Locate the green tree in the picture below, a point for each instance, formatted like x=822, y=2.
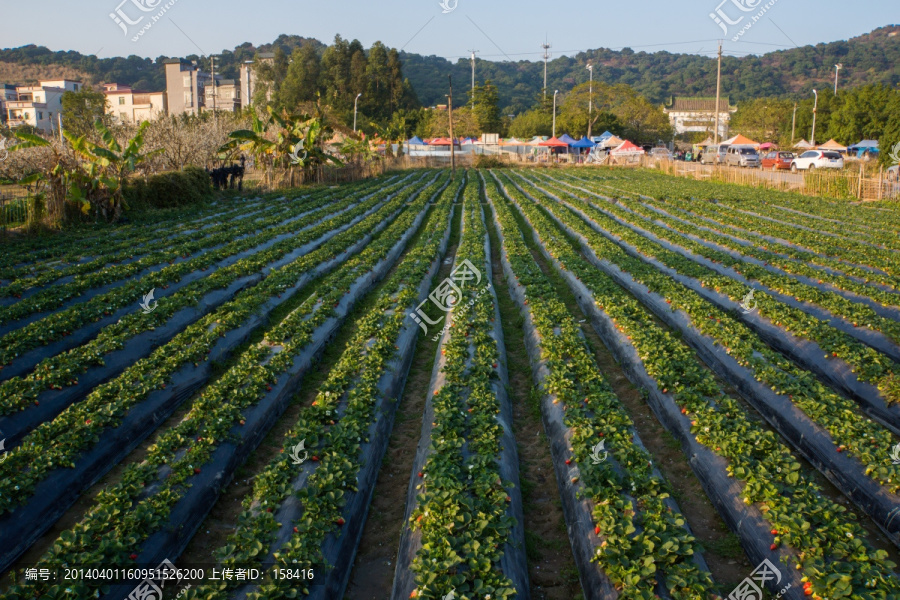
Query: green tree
x=531, y=123
x=81, y=109
x=301, y=83
x=485, y=101
x=764, y=120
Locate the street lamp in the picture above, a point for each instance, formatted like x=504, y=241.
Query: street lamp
x=815, y=106
x=837, y=68
x=590, y=68
x=554, y=112
x=354, y=110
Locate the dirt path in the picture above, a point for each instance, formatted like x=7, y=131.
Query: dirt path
x=722, y=550
x=372, y=577
x=551, y=566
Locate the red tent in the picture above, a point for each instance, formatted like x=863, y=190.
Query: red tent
x=628, y=148
x=554, y=143
x=442, y=142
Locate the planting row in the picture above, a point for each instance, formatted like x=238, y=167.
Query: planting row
x=464, y=532
x=777, y=510
x=312, y=514
x=244, y=237
x=618, y=511
x=158, y=503
x=134, y=335
x=770, y=307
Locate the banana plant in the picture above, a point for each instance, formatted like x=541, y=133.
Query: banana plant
x=52, y=186
x=106, y=167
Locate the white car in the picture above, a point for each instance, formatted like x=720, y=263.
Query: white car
x=817, y=159
x=660, y=154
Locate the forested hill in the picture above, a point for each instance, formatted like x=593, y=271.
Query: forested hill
x=870, y=58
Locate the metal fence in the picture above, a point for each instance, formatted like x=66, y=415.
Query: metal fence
x=14, y=207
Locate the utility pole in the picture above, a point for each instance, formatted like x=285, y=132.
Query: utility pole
x=590, y=68
x=554, y=112
x=450, y=117
x=546, y=47
x=473, y=76
x=794, y=123
x=815, y=108
x=212, y=68
x=837, y=68
x=718, y=93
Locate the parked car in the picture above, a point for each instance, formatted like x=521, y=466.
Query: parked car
x=661, y=154
x=742, y=156
x=817, y=159
x=714, y=154
x=776, y=160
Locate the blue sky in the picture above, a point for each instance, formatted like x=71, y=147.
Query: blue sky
x=500, y=29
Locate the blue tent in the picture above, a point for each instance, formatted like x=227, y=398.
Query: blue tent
x=583, y=143
x=416, y=141
x=567, y=139
x=605, y=135
x=870, y=146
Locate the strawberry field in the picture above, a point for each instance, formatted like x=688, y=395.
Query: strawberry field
x=488, y=384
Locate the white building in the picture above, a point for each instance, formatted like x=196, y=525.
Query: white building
x=699, y=115
x=128, y=105
x=37, y=105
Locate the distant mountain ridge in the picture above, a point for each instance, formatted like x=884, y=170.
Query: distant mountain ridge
x=870, y=58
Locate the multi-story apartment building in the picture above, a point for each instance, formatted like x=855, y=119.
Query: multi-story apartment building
x=223, y=94
x=37, y=105
x=185, y=87
x=249, y=78
x=128, y=105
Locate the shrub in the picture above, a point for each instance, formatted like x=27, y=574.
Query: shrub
x=484, y=161
x=167, y=190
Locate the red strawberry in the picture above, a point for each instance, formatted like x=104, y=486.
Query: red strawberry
x=773, y=546
x=296, y=530
x=197, y=470
x=597, y=530
x=568, y=461
x=508, y=499
x=315, y=459
x=87, y=422
x=269, y=509
x=774, y=532
x=421, y=474
x=133, y=556
x=340, y=521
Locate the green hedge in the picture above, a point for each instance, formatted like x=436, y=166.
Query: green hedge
x=166, y=190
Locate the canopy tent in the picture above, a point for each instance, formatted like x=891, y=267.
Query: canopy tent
x=416, y=141
x=766, y=146
x=605, y=135
x=512, y=142
x=569, y=140
x=611, y=142
x=553, y=143
x=627, y=147
x=870, y=145
x=443, y=142
x=864, y=147
x=583, y=143
x=740, y=140
x=832, y=145
x=803, y=144
x=535, y=141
